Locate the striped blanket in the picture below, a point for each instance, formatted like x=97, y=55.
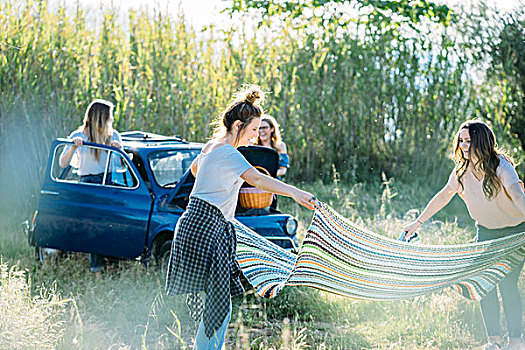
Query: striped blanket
x=340, y=257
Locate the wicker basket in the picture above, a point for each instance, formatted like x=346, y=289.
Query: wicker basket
x=252, y=197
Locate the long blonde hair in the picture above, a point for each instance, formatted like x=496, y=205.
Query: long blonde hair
x=275, y=137
x=484, y=148
x=244, y=107
x=98, y=123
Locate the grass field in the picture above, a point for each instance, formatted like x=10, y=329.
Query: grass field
x=362, y=97
x=127, y=308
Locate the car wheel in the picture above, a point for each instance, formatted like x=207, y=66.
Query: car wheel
x=162, y=255
x=46, y=256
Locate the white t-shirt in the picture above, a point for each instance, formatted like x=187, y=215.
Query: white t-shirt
x=498, y=212
x=219, y=178
x=84, y=158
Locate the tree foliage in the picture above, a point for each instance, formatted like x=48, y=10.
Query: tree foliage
x=508, y=66
x=378, y=90
x=382, y=13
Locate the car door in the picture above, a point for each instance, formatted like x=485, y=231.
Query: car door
x=107, y=215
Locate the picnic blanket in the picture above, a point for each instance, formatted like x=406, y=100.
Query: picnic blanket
x=340, y=257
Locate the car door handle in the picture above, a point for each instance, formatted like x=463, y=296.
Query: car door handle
x=51, y=193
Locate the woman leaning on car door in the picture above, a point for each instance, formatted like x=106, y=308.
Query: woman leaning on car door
x=203, y=250
x=91, y=162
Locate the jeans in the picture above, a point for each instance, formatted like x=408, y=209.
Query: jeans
x=508, y=288
x=92, y=179
x=202, y=342
x=96, y=262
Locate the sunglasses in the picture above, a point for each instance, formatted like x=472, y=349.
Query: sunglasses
x=264, y=127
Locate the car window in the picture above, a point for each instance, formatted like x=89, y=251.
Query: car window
x=169, y=166
x=114, y=171
x=139, y=164
x=119, y=173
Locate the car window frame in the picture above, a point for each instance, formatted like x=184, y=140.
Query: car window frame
x=99, y=146
x=198, y=150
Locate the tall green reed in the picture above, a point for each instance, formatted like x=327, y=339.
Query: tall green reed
x=364, y=100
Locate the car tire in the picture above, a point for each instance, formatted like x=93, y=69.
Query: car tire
x=161, y=254
x=46, y=256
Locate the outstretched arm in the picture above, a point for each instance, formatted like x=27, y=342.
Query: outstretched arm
x=269, y=184
x=436, y=204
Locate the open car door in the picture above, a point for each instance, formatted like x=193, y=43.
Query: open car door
x=108, y=215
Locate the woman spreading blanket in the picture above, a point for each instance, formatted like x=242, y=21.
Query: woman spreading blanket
x=486, y=180
x=203, y=253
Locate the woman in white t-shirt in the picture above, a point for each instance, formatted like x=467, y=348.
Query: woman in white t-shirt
x=97, y=128
x=91, y=162
x=203, y=251
x=487, y=182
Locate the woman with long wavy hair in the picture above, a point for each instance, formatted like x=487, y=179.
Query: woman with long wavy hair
x=91, y=162
x=270, y=136
x=487, y=182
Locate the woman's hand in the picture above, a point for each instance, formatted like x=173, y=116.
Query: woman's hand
x=65, y=157
x=411, y=228
x=115, y=144
x=306, y=199
x=78, y=142
x=436, y=204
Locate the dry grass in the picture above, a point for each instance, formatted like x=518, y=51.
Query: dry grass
x=29, y=319
x=127, y=309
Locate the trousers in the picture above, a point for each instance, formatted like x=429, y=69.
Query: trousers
x=508, y=288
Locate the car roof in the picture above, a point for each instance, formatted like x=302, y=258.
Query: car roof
x=142, y=139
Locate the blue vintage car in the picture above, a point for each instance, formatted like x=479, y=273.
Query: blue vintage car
x=133, y=210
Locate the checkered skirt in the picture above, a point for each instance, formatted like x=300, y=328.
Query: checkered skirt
x=203, y=259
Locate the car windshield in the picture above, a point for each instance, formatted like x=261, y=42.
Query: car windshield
x=169, y=166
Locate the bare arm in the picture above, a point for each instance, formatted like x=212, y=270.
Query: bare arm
x=282, y=170
x=194, y=167
x=65, y=158
x=269, y=184
x=436, y=204
x=517, y=194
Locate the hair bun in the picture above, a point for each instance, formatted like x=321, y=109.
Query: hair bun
x=250, y=93
x=253, y=96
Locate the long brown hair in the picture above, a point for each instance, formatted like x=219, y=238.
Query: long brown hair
x=98, y=123
x=244, y=107
x=484, y=149
x=275, y=137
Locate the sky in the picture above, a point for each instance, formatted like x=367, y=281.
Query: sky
x=201, y=13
